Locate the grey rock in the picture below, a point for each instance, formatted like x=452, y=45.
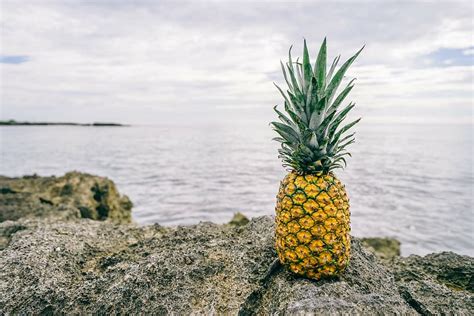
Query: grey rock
x=206, y=268
x=55, y=261
x=366, y=288
x=74, y=195
x=84, y=266
x=106, y=268
x=440, y=283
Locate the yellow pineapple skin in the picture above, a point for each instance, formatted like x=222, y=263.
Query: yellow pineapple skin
x=313, y=225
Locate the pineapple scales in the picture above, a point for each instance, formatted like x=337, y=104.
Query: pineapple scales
x=312, y=211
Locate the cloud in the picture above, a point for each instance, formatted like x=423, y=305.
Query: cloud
x=137, y=61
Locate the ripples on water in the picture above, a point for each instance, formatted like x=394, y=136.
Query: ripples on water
x=412, y=182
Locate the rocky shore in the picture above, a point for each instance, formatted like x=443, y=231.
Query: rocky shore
x=68, y=246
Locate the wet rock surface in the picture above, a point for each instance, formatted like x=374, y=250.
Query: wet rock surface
x=74, y=195
x=56, y=264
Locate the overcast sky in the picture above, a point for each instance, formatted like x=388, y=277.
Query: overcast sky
x=149, y=61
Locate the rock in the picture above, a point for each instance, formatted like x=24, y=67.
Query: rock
x=204, y=269
x=437, y=283
x=106, y=268
x=7, y=229
x=432, y=284
x=54, y=259
x=383, y=248
x=74, y=195
x=366, y=288
x=239, y=219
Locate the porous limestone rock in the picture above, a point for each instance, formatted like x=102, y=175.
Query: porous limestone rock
x=84, y=266
x=62, y=251
x=75, y=194
x=441, y=283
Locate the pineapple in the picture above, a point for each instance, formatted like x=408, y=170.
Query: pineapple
x=312, y=211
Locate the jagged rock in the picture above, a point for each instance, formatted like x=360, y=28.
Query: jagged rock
x=440, y=283
x=7, y=229
x=84, y=266
x=383, y=248
x=366, y=288
x=52, y=261
x=73, y=195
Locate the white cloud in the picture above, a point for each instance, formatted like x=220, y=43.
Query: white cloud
x=131, y=61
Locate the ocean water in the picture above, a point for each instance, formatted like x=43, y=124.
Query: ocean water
x=413, y=182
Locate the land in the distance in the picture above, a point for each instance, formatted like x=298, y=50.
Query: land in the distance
x=17, y=123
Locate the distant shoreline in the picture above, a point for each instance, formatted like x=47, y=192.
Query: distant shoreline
x=96, y=124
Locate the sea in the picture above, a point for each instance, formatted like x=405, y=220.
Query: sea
x=413, y=182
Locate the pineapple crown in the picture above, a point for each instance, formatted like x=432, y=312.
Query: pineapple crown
x=310, y=137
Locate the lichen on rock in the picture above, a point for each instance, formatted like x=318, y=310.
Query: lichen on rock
x=239, y=219
x=382, y=248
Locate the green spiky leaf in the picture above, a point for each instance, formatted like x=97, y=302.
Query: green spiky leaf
x=336, y=80
x=332, y=68
x=285, y=75
x=310, y=136
x=320, y=67
x=283, y=117
x=340, y=98
x=307, y=70
x=346, y=128
x=286, y=131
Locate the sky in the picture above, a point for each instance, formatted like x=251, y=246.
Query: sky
x=146, y=62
